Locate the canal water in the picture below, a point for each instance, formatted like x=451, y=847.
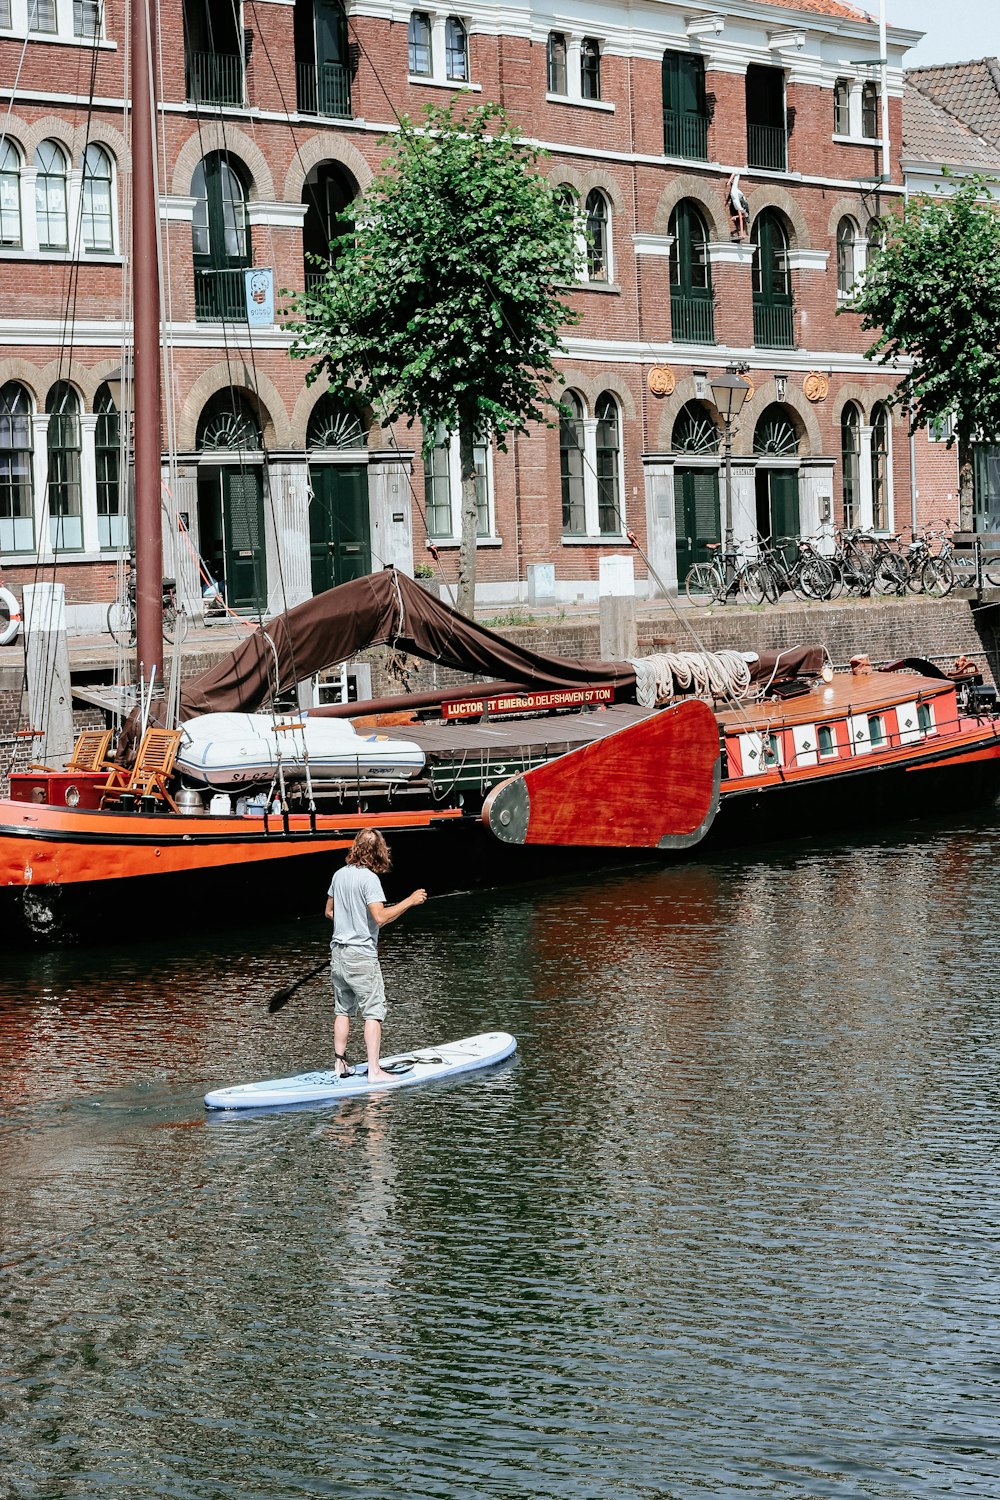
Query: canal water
x=728, y=1225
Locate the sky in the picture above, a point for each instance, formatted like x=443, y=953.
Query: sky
x=956, y=30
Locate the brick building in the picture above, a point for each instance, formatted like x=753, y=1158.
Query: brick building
x=951, y=130
x=272, y=115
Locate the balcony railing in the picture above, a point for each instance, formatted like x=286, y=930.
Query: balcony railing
x=766, y=147
x=772, y=325
x=220, y=296
x=324, y=90
x=691, y=320
x=685, y=135
x=215, y=78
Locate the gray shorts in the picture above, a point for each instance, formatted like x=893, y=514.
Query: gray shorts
x=357, y=982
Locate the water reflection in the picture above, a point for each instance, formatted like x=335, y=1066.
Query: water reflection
x=728, y=1225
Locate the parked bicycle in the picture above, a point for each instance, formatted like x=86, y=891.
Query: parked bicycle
x=122, y=618
x=706, y=582
x=930, y=572
x=808, y=575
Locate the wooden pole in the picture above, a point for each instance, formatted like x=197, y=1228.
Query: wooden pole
x=146, y=336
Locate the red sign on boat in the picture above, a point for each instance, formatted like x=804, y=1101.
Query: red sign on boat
x=526, y=703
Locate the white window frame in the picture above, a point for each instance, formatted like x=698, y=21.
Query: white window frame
x=14, y=152
x=85, y=250
x=438, y=75
x=608, y=278
x=489, y=536
x=592, y=532
x=574, y=71
x=65, y=30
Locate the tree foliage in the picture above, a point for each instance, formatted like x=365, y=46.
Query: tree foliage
x=932, y=293
x=443, y=302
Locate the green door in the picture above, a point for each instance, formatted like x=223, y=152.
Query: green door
x=778, y=506
x=243, y=526
x=696, y=516
x=339, y=524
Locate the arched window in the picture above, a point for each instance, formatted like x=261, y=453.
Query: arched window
x=869, y=111
x=850, y=459
x=775, y=432
x=228, y=423
x=842, y=107
x=111, y=528
x=220, y=237
x=96, y=218
x=847, y=256
x=16, y=526
x=334, y=427
x=590, y=68
x=329, y=189
x=421, y=63
x=50, y=197
x=571, y=466
x=610, y=519
x=772, y=283
x=556, y=60
x=456, y=50
x=10, y=195
x=598, y=236
x=880, y=466
x=64, y=444
x=690, y=276
x=695, y=431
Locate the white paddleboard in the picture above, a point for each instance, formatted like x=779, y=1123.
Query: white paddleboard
x=427, y=1064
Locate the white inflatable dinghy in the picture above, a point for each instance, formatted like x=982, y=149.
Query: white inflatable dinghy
x=228, y=750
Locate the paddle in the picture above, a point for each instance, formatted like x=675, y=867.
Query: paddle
x=280, y=998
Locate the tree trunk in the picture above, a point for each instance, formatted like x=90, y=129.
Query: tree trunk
x=466, y=599
x=966, y=497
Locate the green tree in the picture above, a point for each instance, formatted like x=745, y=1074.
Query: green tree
x=933, y=295
x=444, y=299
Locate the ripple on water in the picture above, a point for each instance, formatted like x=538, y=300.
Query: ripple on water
x=727, y=1225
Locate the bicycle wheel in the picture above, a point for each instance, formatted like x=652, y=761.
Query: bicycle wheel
x=890, y=574
x=175, y=625
x=816, y=578
x=915, y=572
x=839, y=583
x=121, y=622
x=757, y=584
x=938, y=577
x=704, y=583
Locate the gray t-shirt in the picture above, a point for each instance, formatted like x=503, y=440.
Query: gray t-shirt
x=353, y=889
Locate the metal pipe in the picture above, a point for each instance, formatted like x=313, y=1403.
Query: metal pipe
x=146, y=359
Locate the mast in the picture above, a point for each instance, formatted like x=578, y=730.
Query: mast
x=146, y=424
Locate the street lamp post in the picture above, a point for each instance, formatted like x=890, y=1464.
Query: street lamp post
x=729, y=393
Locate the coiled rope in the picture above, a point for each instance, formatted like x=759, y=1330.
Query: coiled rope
x=709, y=674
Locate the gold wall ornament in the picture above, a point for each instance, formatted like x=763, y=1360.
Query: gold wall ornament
x=661, y=380
x=816, y=386
x=751, y=388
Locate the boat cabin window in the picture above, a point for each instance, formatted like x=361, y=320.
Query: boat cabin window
x=925, y=718
x=876, y=729
x=826, y=740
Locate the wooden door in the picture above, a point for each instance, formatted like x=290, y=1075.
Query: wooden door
x=243, y=524
x=339, y=524
x=696, y=514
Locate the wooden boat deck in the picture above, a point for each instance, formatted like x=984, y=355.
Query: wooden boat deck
x=505, y=737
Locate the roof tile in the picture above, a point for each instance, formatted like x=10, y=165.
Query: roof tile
x=968, y=90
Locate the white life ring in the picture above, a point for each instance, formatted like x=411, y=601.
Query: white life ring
x=14, y=611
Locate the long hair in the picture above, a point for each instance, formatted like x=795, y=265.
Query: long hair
x=371, y=851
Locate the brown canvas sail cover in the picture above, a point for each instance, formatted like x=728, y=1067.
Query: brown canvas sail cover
x=381, y=609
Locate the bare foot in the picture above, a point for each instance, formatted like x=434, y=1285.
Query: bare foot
x=379, y=1076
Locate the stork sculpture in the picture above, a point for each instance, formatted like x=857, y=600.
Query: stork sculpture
x=739, y=208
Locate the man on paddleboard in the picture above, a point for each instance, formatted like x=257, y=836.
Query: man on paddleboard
x=356, y=906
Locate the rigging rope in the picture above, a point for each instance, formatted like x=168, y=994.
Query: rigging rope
x=708, y=674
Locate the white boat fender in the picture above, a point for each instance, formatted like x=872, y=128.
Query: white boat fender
x=13, y=609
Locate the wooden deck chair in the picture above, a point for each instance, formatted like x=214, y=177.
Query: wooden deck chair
x=154, y=763
x=90, y=753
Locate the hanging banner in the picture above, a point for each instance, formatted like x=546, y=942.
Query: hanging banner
x=260, y=297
